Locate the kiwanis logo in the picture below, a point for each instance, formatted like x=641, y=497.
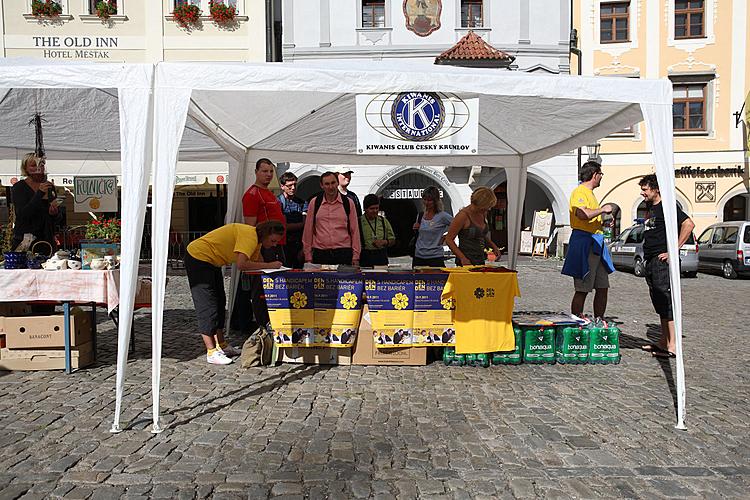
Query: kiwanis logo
x=418, y=116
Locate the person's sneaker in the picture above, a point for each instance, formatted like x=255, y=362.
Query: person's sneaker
x=218, y=358
x=230, y=351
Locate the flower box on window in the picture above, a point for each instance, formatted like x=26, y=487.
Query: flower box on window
x=46, y=9
x=222, y=13
x=106, y=9
x=187, y=15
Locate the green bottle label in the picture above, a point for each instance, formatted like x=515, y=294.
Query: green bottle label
x=539, y=345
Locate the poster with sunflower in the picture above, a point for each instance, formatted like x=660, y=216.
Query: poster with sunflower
x=390, y=299
x=289, y=298
x=338, y=308
x=433, y=315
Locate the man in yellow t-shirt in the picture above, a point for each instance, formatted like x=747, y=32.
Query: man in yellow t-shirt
x=588, y=260
x=233, y=243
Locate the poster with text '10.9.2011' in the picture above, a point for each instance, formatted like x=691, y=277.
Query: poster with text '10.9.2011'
x=390, y=300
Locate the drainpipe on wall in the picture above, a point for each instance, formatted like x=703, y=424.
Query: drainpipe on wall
x=575, y=50
x=270, y=42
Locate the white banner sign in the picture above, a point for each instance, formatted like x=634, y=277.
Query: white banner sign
x=95, y=194
x=417, y=123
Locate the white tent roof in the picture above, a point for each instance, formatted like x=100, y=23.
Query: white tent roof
x=306, y=113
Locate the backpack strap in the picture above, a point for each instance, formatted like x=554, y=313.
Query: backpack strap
x=345, y=201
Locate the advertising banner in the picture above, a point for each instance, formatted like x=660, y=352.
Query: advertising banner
x=390, y=299
x=289, y=297
x=433, y=316
x=338, y=308
x=423, y=123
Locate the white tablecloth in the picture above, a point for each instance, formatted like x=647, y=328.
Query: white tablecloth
x=27, y=285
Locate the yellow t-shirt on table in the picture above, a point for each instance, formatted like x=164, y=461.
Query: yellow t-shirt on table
x=484, y=309
x=219, y=246
x=583, y=197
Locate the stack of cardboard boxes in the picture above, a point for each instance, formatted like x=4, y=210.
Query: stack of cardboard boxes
x=37, y=342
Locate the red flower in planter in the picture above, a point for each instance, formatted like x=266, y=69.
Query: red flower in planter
x=222, y=13
x=187, y=15
x=106, y=8
x=45, y=8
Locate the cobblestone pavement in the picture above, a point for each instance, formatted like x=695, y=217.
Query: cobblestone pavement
x=298, y=431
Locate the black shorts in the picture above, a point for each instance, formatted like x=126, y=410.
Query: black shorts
x=660, y=287
x=207, y=288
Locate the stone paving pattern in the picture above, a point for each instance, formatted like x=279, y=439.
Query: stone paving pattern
x=297, y=431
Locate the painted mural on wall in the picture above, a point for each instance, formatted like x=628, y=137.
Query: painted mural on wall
x=423, y=16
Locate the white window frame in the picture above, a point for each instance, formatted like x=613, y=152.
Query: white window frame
x=709, y=80
x=388, y=21
x=485, y=17
x=120, y=8
x=691, y=44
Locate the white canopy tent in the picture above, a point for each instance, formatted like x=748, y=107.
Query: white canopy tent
x=79, y=121
x=307, y=113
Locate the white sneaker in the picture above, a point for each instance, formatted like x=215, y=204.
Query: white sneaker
x=218, y=358
x=230, y=351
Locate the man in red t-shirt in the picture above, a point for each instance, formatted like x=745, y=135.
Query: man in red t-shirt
x=259, y=204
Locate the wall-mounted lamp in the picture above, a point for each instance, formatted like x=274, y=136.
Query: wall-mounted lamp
x=593, y=151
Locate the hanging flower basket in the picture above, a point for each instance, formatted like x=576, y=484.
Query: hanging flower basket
x=46, y=8
x=222, y=13
x=187, y=15
x=105, y=9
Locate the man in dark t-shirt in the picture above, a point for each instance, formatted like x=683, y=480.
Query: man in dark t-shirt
x=657, y=263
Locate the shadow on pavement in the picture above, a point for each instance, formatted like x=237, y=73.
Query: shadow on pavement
x=271, y=383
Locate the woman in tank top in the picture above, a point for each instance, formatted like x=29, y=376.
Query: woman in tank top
x=470, y=225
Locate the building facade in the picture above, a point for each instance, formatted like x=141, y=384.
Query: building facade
x=702, y=47
x=142, y=31
x=535, y=33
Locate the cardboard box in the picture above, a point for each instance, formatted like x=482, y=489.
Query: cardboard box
x=316, y=355
x=27, y=332
x=143, y=296
x=14, y=309
x=365, y=352
x=45, y=359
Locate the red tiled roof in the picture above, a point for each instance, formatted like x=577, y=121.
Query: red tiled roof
x=473, y=47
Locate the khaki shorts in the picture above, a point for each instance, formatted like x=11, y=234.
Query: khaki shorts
x=597, y=277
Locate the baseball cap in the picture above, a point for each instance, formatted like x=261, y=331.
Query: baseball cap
x=344, y=171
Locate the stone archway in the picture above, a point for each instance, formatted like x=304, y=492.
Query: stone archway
x=401, y=190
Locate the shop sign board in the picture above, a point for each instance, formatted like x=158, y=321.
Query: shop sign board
x=417, y=123
x=95, y=193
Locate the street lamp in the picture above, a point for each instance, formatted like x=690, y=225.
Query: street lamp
x=593, y=151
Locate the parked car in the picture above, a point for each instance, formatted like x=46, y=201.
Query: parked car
x=725, y=247
x=627, y=253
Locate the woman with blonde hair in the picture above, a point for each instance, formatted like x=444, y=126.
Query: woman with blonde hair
x=33, y=201
x=470, y=225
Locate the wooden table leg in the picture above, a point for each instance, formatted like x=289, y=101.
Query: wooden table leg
x=66, y=333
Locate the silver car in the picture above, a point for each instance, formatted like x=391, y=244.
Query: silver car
x=627, y=253
x=725, y=247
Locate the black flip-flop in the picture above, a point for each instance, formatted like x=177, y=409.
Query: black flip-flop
x=663, y=353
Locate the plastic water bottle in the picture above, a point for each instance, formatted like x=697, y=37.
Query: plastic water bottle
x=539, y=345
x=572, y=345
x=604, y=345
x=513, y=357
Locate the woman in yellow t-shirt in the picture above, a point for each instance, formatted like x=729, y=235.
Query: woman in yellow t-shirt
x=233, y=243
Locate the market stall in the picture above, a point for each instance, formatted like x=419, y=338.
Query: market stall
x=310, y=114
x=89, y=109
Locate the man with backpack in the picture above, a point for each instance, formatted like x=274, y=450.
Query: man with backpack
x=331, y=234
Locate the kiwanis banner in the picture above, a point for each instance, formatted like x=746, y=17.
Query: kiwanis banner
x=417, y=123
x=390, y=299
x=338, y=308
x=289, y=297
x=433, y=316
